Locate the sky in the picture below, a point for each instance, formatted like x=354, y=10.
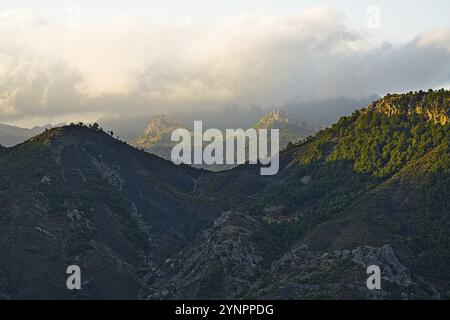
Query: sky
x=402, y=19
x=63, y=61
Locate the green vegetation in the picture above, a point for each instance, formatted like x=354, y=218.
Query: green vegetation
x=399, y=133
x=78, y=243
x=360, y=151
x=432, y=238
x=379, y=176
x=379, y=144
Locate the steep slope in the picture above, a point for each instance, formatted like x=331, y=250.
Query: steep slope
x=397, y=213
x=373, y=188
x=156, y=136
x=73, y=195
x=292, y=129
x=375, y=178
x=11, y=135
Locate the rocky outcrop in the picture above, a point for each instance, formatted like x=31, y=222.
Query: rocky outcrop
x=341, y=274
x=229, y=262
x=393, y=270
x=223, y=263
x=156, y=137
x=434, y=106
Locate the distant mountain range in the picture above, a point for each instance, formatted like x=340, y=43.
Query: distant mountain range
x=11, y=135
x=156, y=137
x=318, y=114
x=292, y=128
x=372, y=189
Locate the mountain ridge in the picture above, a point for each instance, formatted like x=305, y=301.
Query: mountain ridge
x=12, y=135
x=156, y=137
x=371, y=189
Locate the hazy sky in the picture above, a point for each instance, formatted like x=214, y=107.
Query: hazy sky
x=76, y=60
x=401, y=19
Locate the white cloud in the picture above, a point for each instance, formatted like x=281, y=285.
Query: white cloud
x=438, y=38
x=128, y=66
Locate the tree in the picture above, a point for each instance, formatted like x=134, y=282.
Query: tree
x=290, y=145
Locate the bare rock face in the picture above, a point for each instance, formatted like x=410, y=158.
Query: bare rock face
x=416, y=104
x=156, y=135
x=159, y=124
x=224, y=262
x=341, y=274
x=140, y=227
x=228, y=261
x=393, y=270
x=45, y=179
x=306, y=179
x=292, y=129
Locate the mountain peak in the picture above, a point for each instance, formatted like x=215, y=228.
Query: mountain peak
x=160, y=123
x=273, y=119
x=74, y=134
x=378, y=184
x=158, y=129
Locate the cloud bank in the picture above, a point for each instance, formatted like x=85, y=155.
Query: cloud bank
x=128, y=66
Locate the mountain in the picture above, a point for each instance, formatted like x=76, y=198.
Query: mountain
x=292, y=128
x=131, y=126
x=371, y=189
x=431, y=105
x=74, y=195
x=11, y=135
x=318, y=113
x=156, y=137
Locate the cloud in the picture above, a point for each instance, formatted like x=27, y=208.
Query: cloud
x=127, y=66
